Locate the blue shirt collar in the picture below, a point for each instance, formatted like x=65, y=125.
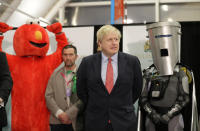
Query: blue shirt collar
x=105, y=58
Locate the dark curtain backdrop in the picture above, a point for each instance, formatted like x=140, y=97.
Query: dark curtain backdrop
x=190, y=51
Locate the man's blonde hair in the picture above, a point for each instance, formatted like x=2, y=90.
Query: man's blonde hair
x=106, y=29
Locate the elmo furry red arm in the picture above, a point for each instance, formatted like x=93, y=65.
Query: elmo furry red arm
x=3, y=28
x=30, y=70
x=55, y=28
x=55, y=59
x=1, y=38
x=61, y=39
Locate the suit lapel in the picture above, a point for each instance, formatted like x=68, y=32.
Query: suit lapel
x=121, y=67
x=97, y=66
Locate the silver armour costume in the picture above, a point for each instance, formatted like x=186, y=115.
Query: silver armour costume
x=163, y=98
x=166, y=83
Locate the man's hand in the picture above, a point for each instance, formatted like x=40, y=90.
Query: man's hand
x=1, y=100
x=63, y=117
x=55, y=28
x=4, y=27
x=155, y=117
x=165, y=119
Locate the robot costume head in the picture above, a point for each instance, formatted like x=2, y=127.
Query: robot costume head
x=165, y=45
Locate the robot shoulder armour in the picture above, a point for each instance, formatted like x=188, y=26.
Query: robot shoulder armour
x=186, y=78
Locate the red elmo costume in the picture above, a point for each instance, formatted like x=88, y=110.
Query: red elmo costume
x=30, y=70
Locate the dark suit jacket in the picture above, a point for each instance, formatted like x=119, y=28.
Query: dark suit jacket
x=5, y=87
x=116, y=106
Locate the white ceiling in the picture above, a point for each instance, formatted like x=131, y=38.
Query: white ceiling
x=19, y=11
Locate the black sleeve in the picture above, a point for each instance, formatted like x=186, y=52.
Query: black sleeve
x=183, y=95
x=81, y=82
x=145, y=105
x=5, y=78
x=138, y=80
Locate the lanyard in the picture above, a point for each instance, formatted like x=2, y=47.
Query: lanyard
x=64, y=76
x=68, y=89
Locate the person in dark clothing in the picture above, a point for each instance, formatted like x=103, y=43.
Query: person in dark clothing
x=5, y=88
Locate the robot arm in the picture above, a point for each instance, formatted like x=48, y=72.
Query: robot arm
x=153, y=115
x=182, y=99
x=144, y=103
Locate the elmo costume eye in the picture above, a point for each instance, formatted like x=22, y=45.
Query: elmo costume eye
x=31, y=21
x=36, y=21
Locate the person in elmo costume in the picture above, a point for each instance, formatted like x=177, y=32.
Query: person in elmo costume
x=30, y=69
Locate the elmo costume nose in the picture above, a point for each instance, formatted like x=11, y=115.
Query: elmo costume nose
x=38, y=35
